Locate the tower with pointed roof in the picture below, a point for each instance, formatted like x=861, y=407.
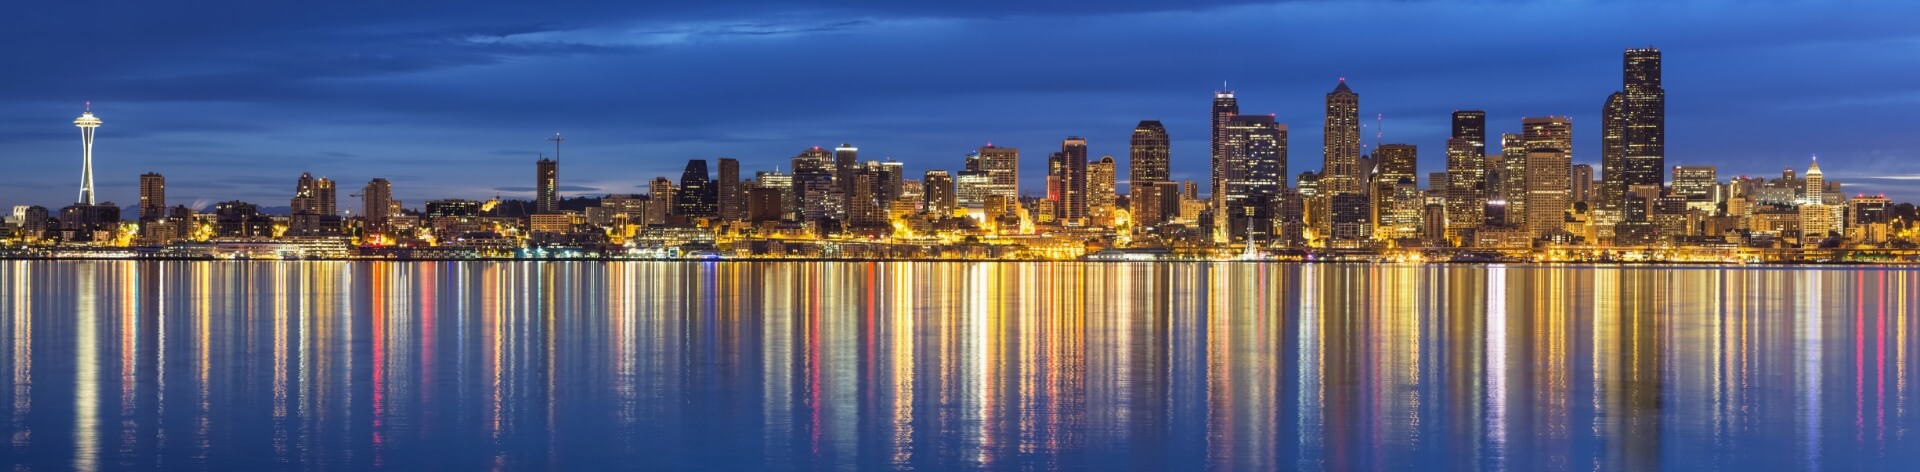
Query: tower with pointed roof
x=1341, y=172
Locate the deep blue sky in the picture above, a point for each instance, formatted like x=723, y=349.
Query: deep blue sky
x=234, y=99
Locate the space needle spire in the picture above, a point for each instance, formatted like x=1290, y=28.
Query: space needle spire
x=87, y=123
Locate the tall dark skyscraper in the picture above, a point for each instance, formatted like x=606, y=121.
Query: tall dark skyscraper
x=733, y=199
x=153, y=196
x=1471, y=125
x=1073, y=195
x=1225, y=107
x=1634, y=128
x=1396, y=162
x=1256, y=168
x=1149, y=161
x=546, y=198
x=696, y=197
x=1341, y=172
x=845, y=159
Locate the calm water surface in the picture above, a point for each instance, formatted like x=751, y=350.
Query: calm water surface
x=596, y=366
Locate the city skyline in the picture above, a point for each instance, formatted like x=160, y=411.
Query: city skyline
x=219, y=142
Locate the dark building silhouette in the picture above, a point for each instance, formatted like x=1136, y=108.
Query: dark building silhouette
x=546, y=198
x=696, y=197
x=1634, y=129
x=732, y=196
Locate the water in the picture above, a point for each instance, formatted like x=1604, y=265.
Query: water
x=1190, y=366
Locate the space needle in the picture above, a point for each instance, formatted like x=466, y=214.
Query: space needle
x=87, y=123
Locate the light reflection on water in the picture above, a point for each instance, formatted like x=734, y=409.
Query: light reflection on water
x=493, y=365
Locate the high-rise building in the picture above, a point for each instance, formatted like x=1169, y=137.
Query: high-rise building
x=1149, y=161
x=1149, y=156
x=813, y=169
x=315, y=210
x=939, y=192
x=1397, y=164
x=845, y=159
x=1255, y=161
x=1466, y=185
x=314, y=196
x=696, y=197
x=1582, y=181
x=1225, y=107
x=1512, y=188
x=153, y=197
x=1698, y=184
x=660, y=200
x=971, y=189
x=377, y=198
x=1548, y=132
x=1002, y=165
x=863, y=204
x=1634, y=127
x=1816, y=184
x=893, y=180
x=1471, y=125
x=1101, y=191
x=1073, y=195
x=733, y=199
x=546, y=196
x=87, y=124
x=1341, y=172
x=1546, y=199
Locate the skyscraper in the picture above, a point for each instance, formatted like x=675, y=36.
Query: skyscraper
x=696, y=197
x=1613, y=153
x=660, y=198
x=939, y=192
x=87, y=124
x=1341, y=172
x=1546, y=200
x=1002, y=166
x=733, y=199
x=1101, y=192
x=1255, y=151
x=1582, y=182
x=153, y=197
x=1466, y=185
x=1073, y=195
x=377, y=198
x=1471, y=125
x=813, y=169
x=1815, y=193
x=1698, y=185
x=314, y=196
x=1397, y=164
x=1149, y=160
x=546, y=197
x=845, y=159
x=1634, y=131
x=1512, y=188
x=315, y=210
x=1225, y=107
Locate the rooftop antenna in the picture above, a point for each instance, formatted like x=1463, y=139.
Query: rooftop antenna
x=1379, y=129
x=557, y=138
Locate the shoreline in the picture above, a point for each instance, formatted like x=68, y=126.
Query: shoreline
x=1894, y=264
